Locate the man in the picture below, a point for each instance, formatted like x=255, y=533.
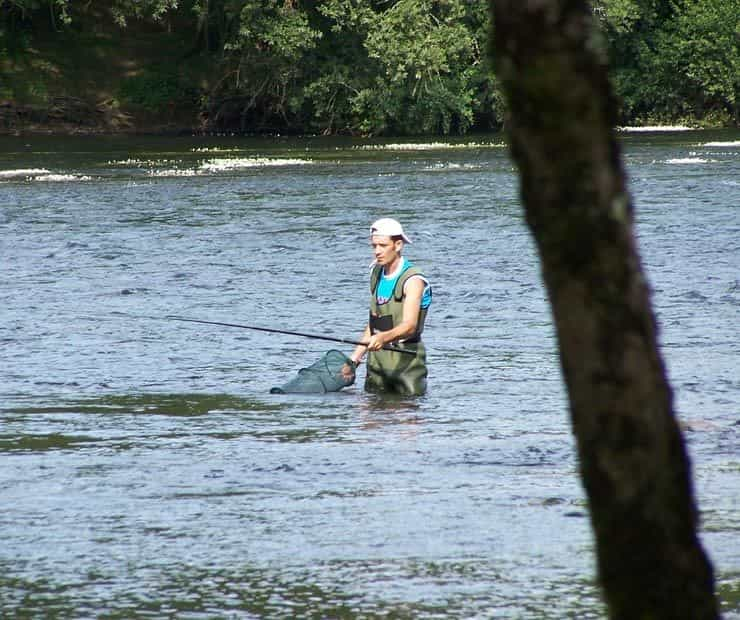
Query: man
x=400, y=296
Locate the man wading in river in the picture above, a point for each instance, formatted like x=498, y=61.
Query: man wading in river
x=400, y=296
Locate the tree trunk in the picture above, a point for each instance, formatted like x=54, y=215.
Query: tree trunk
x=633, y=460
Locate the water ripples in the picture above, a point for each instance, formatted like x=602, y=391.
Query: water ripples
x=148, y=471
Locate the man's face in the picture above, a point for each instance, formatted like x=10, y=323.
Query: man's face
x=385, y=249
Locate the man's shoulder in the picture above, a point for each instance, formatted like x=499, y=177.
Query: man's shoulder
x=412, y=271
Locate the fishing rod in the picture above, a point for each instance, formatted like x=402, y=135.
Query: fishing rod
x=271, y=330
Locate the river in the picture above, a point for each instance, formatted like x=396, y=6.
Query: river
x=146, y=470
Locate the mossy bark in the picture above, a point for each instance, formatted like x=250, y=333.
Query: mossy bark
x=633, y=460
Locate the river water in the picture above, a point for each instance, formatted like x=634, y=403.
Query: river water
x=146, y=470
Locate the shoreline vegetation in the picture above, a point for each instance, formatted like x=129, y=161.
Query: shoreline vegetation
x=128, y=128
x=365, y=68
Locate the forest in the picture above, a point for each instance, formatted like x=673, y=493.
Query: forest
x=354, y=67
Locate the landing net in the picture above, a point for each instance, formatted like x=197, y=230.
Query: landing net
x=332, y=372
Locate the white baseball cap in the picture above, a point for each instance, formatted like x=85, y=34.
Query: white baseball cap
x=388, y=227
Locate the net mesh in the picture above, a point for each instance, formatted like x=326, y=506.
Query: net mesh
x=330, y=373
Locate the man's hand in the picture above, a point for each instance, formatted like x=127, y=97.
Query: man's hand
x=348, y=372
x=376, y=342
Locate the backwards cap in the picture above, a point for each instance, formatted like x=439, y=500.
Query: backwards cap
x=388, y=227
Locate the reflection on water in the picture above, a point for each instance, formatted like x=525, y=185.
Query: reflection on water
x=438, y=589
x=405, y=413
x=151, y=404
x=146, y=470
x=40, y=443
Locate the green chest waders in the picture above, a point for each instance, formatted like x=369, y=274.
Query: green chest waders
x=388, y=371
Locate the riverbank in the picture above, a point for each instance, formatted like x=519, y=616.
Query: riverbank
x=95, y=77
x=65, y=115
x=105, y=121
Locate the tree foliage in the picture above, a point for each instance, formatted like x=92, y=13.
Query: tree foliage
x=264, y=59
x=672, y=59
x=406, y=66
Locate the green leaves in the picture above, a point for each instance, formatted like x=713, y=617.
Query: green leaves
x=417, y=63
x=274, y=28
x=391, y=66
x=157, y=89
x=706, y=38
x=674, y=60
